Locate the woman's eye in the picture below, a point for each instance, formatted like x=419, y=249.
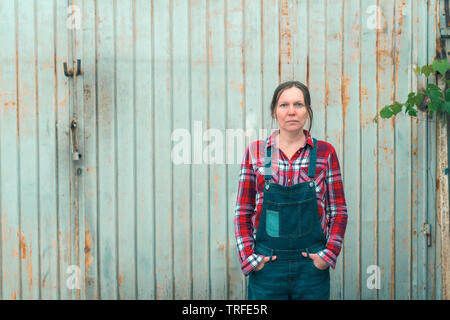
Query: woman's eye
x=299, y=104
x=283, y=105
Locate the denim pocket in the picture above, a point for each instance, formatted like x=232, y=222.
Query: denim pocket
x=272, y=223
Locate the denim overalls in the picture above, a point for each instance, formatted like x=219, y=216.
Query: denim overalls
x=289, y=225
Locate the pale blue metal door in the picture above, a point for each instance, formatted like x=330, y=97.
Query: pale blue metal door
x=129, y=223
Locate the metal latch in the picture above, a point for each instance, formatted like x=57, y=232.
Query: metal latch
x=426, y=229
x=75, y=154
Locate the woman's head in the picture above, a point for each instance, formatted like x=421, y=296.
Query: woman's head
x=291, y=106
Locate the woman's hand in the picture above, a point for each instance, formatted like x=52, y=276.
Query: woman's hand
x=318, y=261
x=261, y=264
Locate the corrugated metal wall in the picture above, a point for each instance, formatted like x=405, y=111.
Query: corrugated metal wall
x=137, y=226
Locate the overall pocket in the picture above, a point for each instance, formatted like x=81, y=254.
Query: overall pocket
x=290, y=220
x=272, y=223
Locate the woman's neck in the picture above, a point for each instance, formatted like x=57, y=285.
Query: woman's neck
x=288, y=138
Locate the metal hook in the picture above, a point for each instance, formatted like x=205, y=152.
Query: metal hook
x=67, y=73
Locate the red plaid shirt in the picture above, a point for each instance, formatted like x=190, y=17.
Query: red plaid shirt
x=329, y=193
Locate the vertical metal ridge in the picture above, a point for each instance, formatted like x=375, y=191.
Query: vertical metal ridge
x=308, y=68
x=38, y=169
x=279, y=44
x=71, y=168
x=359, y=233
x=136, y=292
x=207, y=126
x=98, y=169
x=411, y=151
x=189, y=9
x=19, y=198
x=153, y=153
x=116, y=173
x=227, y=244
x=394, y=142
x=58, y=246
x=377, y=143
x=172, y=222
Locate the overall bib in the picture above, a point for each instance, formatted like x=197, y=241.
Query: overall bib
x=289, y=225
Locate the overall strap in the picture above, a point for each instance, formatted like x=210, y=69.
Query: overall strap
x=312, y=160
x=268, y=163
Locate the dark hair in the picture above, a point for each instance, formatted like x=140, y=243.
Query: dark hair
x=287, y=85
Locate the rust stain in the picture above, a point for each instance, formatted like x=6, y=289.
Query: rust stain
x=216, y=192
x=221, y=247
x=364, y=95
x=29, y=269
x=23, y=246
x=63, y=102
x=121, y=277
x=238, y=85
x=345, y=95
x=9, y=103
x=88, y=249
x=285, y=55
x=13, y=296
x=210, y=50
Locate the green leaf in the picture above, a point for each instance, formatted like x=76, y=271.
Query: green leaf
x=436, y=96
x=441, y=66
x=447, y=94
x=418, y=99
x=427, y=70
x=386, y=112
x=446, y=106
x=434, y=105
x=396, y=108
x=447, y=82
x=433, y=87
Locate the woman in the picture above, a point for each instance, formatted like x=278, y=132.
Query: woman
x=291, y=212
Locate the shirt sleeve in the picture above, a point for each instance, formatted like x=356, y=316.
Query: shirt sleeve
x=336, y=210
x=245, y=209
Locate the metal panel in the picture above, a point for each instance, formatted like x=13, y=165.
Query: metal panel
x=139, y=226
x=34, y=151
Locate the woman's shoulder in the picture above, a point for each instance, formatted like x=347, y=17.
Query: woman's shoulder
x=256, y=148
x=324, y=148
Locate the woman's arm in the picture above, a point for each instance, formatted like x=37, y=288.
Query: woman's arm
x=245, y=208
x=335, y=209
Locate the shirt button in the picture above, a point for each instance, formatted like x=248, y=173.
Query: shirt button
x=311, y=184
x=289, y=180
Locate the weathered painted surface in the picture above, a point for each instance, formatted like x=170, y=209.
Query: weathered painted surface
x=138, y=226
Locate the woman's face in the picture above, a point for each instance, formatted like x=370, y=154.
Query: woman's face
x=290, y=111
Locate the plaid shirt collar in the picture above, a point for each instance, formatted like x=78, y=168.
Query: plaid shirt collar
x=309, y=140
